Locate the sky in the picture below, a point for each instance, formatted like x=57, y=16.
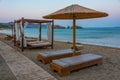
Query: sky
x=11, y=10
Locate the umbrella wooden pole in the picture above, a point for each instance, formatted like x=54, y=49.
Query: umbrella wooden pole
x=74, y=36
x=39, y=31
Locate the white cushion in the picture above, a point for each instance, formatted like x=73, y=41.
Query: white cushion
x=57, y=53
x=38, y=44
x=65, y=62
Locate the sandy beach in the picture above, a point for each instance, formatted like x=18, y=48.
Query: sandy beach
x=109, y=70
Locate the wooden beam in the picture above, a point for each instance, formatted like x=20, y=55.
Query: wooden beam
x=34, y=21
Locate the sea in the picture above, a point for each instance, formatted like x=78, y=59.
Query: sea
x=106, y=36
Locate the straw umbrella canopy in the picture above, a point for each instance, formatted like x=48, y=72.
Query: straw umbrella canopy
x=75, y=12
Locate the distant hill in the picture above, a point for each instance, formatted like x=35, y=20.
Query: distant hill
x=77, y=27
x=59, y=27
x=45, y=26
x=34, y=25
x=6, y=25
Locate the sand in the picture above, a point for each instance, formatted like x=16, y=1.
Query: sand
x=109, y=70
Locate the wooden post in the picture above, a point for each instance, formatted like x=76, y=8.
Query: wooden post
x=12, y=25
x=22, y=35
x=74, y=36
x=52, y=34
x=39, y=31
x=14, y=36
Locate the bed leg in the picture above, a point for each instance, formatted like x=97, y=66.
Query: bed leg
x=63, y=73
x=52, y=46
x=59, y=70
x=99, y=62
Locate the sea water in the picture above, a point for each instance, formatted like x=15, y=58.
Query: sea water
x=97, y=36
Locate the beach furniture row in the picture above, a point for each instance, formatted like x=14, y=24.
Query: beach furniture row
x=64, y=62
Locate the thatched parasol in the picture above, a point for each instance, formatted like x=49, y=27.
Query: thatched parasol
x=75, y=12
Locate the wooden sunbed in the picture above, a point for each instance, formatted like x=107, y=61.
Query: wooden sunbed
x=66, y=65
x=47, y=57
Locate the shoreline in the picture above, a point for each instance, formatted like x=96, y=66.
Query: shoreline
x=91, y=44
x=85, y=43
x=1, y=34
